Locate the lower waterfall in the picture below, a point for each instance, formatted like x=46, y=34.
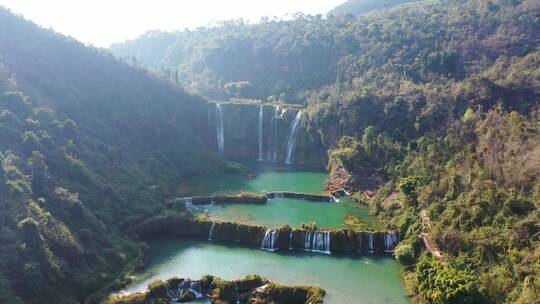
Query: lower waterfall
x=370, y=243
x=269, y=241
x=290, y=240
x=291, y=143
x=317, y=241
x=390, y=241
x=261, y=158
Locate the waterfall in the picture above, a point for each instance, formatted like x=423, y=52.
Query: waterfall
x=334, y=199
x=180, y=291
x=390, y=241
x=261, y=133
x=188, y=200
x=195, y=287
x=290, y=241
x=237, y=293
x=275, y=120
x=169, y=293
x=270, y=239
x=220, y=132
x=317, y=241
x=346, y=192
x=370, y=242
x=211, y=231
x=291, y=143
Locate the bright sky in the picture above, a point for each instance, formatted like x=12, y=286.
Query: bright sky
x=102, y=22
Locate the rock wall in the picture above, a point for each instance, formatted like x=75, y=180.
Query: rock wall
x=340, y=241
x=251, y=289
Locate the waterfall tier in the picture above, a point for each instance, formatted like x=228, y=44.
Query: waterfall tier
x=269, y=241
x=317, y=241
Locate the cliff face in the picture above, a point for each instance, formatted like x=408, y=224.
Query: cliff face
x=264, y=132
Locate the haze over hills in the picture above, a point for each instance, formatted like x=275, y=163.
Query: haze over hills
x=429, y=114
x=359, y=7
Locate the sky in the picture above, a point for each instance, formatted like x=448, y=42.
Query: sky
x=102, y=22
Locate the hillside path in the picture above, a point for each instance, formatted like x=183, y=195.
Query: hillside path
x=428, y=242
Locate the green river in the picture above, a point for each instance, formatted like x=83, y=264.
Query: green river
x=347, y=279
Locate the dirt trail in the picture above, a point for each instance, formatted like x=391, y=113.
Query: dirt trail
x=429, y=243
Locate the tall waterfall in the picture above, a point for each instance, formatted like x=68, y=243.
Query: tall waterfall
x=275, y=121
x=317, y=241
x=211, y=231
x=261, y=158
x=269, y=241
x=370, y=242
x=390, y=241
x=291, y=143
x=220, y=132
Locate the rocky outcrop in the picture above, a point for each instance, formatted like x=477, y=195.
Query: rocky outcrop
x=251, y=289
x=301, y=196
x=255, y=198
x=242, y=197
x=283, y=238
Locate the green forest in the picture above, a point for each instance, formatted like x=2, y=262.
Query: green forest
x=433, y=104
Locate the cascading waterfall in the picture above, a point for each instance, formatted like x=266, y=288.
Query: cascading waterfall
x=291, y=143
x=370, y=243
x=261, y=133
x=220, y=132
x=317, y=241
x=270, y=239
x=334, y=199
x=390, y=241
x=211, y=231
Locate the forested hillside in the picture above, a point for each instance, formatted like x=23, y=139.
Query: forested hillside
x=435, y=41
x=437, y=103
x=88, y=145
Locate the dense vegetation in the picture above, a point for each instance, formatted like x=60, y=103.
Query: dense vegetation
x=439, y=101
x=88, y=145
